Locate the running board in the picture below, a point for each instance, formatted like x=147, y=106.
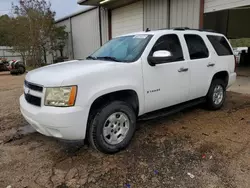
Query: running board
x=171, y=110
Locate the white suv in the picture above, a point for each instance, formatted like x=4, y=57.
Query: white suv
x=101, y=98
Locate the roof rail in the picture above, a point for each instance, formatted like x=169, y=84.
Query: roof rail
x=208, y=30
x=181, y=28
x=184, y=29
x=187, y=28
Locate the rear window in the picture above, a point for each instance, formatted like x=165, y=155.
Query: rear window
x=220, y=45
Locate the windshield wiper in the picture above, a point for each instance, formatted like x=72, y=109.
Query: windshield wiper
x=108, y=58
x=91, y=57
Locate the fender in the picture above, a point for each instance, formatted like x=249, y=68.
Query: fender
x=211, y=78
x=103, y=92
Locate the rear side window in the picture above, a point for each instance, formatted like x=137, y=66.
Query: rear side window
x=196, y=47
x=220, y=45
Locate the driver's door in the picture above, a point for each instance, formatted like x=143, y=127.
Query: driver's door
x=167, y=83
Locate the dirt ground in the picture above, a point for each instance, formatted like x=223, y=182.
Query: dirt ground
x=196, y=148
x=242, y=84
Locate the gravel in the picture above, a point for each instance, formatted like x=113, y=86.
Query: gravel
x=194, y=148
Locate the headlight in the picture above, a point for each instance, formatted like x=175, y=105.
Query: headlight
x=60, y=96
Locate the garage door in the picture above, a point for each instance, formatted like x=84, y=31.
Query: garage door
x=127, y=19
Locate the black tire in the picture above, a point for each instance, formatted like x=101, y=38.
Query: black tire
x=96, y=125
x=211, y=104
x=14, y=72
x=21, y=69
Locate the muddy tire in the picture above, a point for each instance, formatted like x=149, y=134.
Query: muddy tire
x=21, y=69
x=14, y=72
x=112, y=127
x=216, y=95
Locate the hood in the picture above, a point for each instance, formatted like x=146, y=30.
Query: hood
x=54, y=75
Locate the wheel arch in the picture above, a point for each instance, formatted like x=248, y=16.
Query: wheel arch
x=222, y=75
x=127, y=95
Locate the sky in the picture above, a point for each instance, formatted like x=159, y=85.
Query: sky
x=61, y=7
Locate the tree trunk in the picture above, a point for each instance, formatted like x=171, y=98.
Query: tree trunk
x=23, y=58
x=44, y=55
x=61, y=52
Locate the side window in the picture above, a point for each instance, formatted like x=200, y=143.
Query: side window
x=196, y=47
x=220, y=45
x=169, y=43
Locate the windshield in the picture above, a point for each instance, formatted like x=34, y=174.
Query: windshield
x=122, y=49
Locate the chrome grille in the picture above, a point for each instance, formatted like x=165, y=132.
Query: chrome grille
x=33, y=86
x=31, y=97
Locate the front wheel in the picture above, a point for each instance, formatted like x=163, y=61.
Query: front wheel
x=112, y=128
x=216, y=95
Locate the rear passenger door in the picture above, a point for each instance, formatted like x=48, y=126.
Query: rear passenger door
x=201, y=65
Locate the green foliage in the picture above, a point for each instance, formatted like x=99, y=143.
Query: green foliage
x=5, y=22
x=32, y=31
x=243, y=42
x=58, y=39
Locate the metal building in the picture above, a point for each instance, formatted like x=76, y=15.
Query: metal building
x=109, y=18
x=84, y=33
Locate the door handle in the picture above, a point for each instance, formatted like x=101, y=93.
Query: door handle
x=210, y=64
x=183, y=69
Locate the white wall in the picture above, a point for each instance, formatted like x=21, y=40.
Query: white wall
x=156, y=14
x=185, y=13
x=68, y=51
x=127, y=19
x=216, y=5
x=86, y=33
x=104, y=25
x=5, y=52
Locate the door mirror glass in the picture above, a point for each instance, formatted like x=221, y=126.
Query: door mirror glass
x=160, y=57
x=162, y=53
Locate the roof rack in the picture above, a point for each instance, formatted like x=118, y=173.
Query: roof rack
x=181, y=28
x=187, y=28
x=184, y=29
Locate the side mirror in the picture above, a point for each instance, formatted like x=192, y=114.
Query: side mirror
x=162, y=53
x=160, y=57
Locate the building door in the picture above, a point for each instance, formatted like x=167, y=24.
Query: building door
x=127, y=19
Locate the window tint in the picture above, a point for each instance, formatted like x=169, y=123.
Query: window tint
x=220, y=45
x=169, y=43
x=196, y=47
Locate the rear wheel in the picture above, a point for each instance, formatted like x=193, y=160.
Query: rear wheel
x=14, y=72
x=21, y=69
x=216, y=95
x=112, y=127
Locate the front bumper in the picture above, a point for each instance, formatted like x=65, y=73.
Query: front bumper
x=68, y=123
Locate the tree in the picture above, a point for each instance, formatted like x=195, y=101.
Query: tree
x=34, y=25
x=58, y=39
x=32, y=31
x=20, y=38
x=5, y=22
